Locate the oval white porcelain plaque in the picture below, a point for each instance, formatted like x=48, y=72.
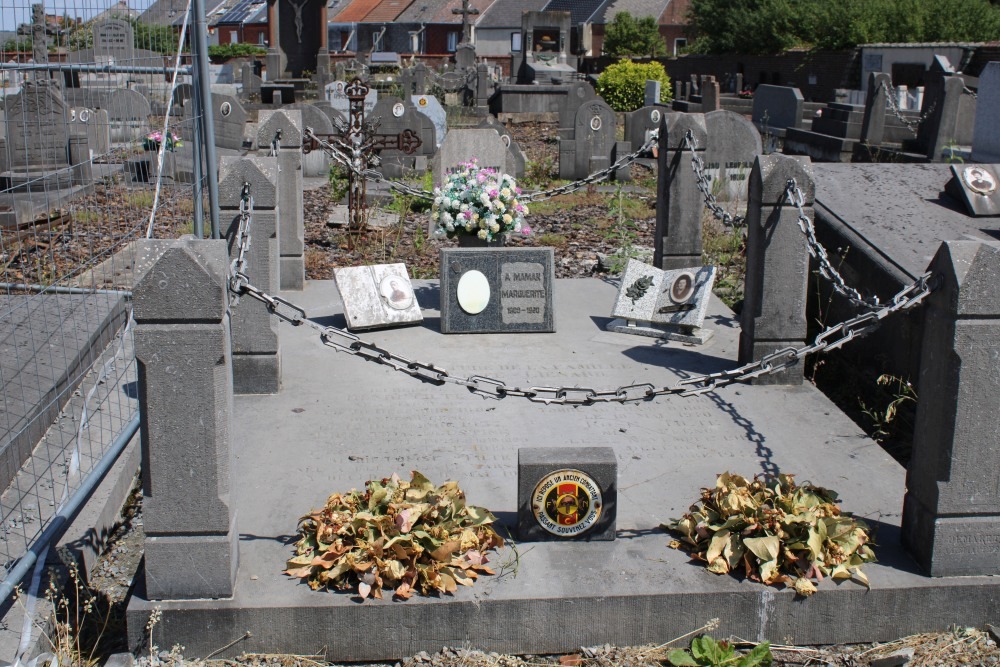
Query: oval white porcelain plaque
x=473, y=292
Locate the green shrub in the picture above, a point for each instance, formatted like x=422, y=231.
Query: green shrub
x=623, y=85
x=234, y=50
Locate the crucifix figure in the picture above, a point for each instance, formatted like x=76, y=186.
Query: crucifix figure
x=297, y=6
x=466, y=11
x=357, y=142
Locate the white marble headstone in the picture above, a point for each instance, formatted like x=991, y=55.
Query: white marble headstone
x=429, y=106
x=377, y=295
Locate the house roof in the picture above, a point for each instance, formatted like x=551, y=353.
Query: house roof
x=580, y=11
x=421, y=11
x=446, y=13
x=507, y=13
x=355, y=11
x=242, y=12
x=387, y=11
x=637, y=8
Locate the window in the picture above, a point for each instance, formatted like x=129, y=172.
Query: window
x=260, y=39
x=679, y=45
x=515, y=42
x=416, y=42
x=376, y=37
x=452, y=41
x=233, y=37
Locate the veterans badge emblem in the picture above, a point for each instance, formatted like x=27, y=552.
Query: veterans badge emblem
x=566, y=503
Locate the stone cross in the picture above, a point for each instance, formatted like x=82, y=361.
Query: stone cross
x=358, y=141
x=466, y=12
x=39, y=47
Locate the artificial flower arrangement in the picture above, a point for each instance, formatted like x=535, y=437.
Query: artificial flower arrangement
x=479, y=201
x=153, y=139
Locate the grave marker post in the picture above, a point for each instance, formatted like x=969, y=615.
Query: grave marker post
x=678, y=202
x=256, y=362
x=291, y=228
x=873, y=124
x=951, y=512
x=774, y=305
x=182, y=345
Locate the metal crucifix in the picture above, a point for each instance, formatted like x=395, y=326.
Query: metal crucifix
x=357, y=143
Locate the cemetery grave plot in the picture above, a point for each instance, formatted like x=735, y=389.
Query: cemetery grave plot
x=578, y=226
x=94, y=226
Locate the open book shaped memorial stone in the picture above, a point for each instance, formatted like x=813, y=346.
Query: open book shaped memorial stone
x=663, y=304
x=977, y=186
x=377, y=295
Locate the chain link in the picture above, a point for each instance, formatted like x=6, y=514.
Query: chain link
x=276, y=143
x=816, y=250
x=912, y=126
x=238, y=267
x=971, y=93
x=705, y=185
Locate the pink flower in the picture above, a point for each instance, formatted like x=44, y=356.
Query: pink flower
x=525, y=230
x=481, y=177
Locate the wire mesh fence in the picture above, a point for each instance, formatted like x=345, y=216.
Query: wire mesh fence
x=97, y=125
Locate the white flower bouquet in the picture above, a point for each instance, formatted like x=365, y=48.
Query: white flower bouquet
x=479, y=202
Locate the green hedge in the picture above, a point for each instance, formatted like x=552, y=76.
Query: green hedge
x=623, y=85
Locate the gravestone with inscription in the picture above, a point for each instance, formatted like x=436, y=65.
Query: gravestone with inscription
x=336, y=95
x=38, y=139
x=114, y=40
x=503, y=290
x=663, y=304
x=429, y=106
x=567, y=493
x=593, y=146
x=377, y=296
x=515, y=160
x=733, y=145
x=395, y=116
x=464, y=145
x=314, y=163
x=776, y=108
x=229, y=120
x=641, y=123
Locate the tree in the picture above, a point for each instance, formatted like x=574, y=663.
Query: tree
x=623, y=85
x=628, y=36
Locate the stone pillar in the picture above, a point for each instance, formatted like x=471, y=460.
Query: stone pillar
x=710, y=95
x=482, y=87
x=739, y=83
x=186, y=405
x=873, y=124
x=256, y=362
x=774, y=304
x=420, y=78
x=951, y=514
x=79, y=158
x=322, y=75
x=273, y=59
x=291, y=229
x=406, y=82
x=943, y=94
x=679, y=204
x=651, y=95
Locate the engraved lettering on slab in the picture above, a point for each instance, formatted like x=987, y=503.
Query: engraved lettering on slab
x=473, y=292
x=522, y=293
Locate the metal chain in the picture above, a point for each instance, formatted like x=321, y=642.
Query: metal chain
x=971, y=93
x=894, y=107
x=376, y=177
x=705, y=185
x=816, y=250
x=488, y=387
x=238, y=268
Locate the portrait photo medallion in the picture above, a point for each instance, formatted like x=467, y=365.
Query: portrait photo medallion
x=567, y=502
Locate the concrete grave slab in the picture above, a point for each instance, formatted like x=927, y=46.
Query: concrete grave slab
x=378, y=295
x=631, y=591
x=501, y=290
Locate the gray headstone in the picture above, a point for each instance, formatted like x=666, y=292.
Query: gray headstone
x=94, y=124
x=503, y=290
x=230, y=119
x=976, y=186
x=377, y=296
x=593, y=143
x=567, y=494
x=429, y=106
x=465, y=56
x=396, y=116
x=679, y=204
x=710, y=95
x=516, y=159
x=951, y=513
x=291, y=231
x=733, y=145
x=652, y=96
x=114, y=39
x=873, y=122
x=640, y=124
x=578, y=93
x=337, y=98
x=777, y=107
x=38, y=138
x=463, y=145
x=986, y=133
